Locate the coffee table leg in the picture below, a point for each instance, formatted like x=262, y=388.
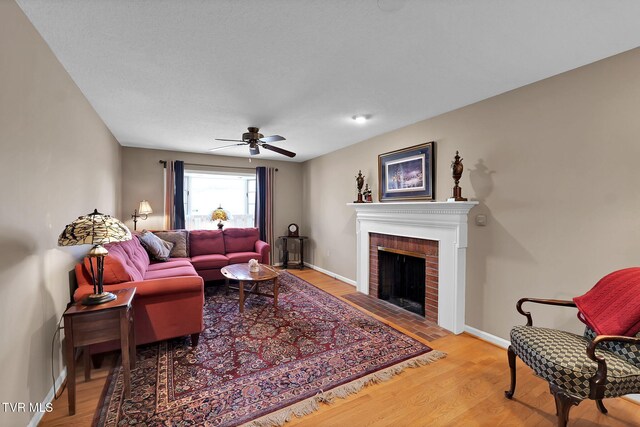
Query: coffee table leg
x=241, y=287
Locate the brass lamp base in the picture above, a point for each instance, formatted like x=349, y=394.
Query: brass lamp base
x=95, y=299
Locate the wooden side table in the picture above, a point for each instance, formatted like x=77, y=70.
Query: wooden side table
x=91, y=324
x=285, y=250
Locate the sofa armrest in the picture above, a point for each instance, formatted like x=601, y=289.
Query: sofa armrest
x=153, y=287
x=264, y=249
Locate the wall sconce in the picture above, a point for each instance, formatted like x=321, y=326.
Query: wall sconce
x=142, y=212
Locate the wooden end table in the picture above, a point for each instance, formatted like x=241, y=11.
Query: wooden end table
x=285, y=251
x=241, y=273
x=92, y=324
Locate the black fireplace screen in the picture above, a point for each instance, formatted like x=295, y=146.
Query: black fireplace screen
x=401, y=279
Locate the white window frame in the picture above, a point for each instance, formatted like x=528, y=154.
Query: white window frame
x=188, y=176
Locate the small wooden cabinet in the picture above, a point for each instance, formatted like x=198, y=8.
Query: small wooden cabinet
x=92, y=324
x=285, y=251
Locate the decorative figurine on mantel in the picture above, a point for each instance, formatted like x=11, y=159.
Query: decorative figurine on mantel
x=456, y=172
x=366, y=194
x=359, y=184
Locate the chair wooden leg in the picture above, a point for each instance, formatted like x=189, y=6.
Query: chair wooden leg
x=564, y=402
x=601, y=406
x=512, y=366
x=96, y=360
x=194, y=339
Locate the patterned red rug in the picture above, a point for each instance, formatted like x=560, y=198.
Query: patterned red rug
x=261, y=367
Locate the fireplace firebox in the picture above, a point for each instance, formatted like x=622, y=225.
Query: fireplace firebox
x=401, y=278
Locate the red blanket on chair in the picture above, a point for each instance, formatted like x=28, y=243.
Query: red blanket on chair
x=612, y=306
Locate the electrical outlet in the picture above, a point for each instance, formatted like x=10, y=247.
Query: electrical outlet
x=481, y=220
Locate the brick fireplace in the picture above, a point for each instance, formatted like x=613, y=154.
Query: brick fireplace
x=444, y=223
x=409, y=246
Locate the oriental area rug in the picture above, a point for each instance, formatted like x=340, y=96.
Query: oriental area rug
x=262, y=367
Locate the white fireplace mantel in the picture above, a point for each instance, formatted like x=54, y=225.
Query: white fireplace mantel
x=445, y=222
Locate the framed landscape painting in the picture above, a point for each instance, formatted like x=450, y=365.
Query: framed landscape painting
x=407, y=174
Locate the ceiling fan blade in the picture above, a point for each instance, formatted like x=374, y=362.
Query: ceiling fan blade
x=278, y=150
x=225, y=146
x=272, y=138
x=229, y=140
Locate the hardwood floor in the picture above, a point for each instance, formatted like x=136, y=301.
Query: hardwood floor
x=466, y=389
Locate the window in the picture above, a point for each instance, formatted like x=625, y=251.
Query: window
x=205, y=191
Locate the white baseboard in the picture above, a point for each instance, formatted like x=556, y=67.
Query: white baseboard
x=48, y=398
x=635, y=398
x=485, y=336
x=329, y=273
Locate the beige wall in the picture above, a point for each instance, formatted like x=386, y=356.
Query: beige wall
x=59, y=161
x=554, y=166
x=142, y=178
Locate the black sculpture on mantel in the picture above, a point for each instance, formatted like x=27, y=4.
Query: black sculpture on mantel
x=359, y=184
x=456, y=172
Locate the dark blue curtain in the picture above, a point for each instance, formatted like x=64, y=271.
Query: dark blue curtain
x=178, y=200
x=261, y=201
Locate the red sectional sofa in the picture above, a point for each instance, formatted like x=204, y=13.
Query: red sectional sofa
x=170, y=295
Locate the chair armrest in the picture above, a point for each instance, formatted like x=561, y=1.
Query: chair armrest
x=598, y=382
x=562, y=303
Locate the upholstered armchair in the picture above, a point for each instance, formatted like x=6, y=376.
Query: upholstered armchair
x=577, y=367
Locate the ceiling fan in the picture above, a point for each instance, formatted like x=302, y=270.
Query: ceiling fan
x=255, y=140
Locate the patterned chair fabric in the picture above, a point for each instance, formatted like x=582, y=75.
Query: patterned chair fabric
x=560, y=358
x=629, y=352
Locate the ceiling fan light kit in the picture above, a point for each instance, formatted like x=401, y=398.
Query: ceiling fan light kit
x=254, y=139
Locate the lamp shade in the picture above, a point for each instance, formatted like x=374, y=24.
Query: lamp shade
x=144, y=208
x=94, y=229
x=220, y=214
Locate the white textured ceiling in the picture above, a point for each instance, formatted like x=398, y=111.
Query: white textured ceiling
x=175, y=74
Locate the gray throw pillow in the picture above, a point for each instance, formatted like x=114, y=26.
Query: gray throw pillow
x=158, y=249
x=179, y=238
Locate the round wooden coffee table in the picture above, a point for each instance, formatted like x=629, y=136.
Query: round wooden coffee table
x=241, y=273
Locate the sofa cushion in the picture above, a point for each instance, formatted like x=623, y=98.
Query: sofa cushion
x=114, y=270
x=240, y=257
x=206, y=262
x=180, y=240
x=206, y=242
x=170, y=272
x=158, y=249
x=172, y=263
x=241, y=239
x=132, y=255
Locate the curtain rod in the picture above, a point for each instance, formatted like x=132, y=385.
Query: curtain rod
x=164, y=163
